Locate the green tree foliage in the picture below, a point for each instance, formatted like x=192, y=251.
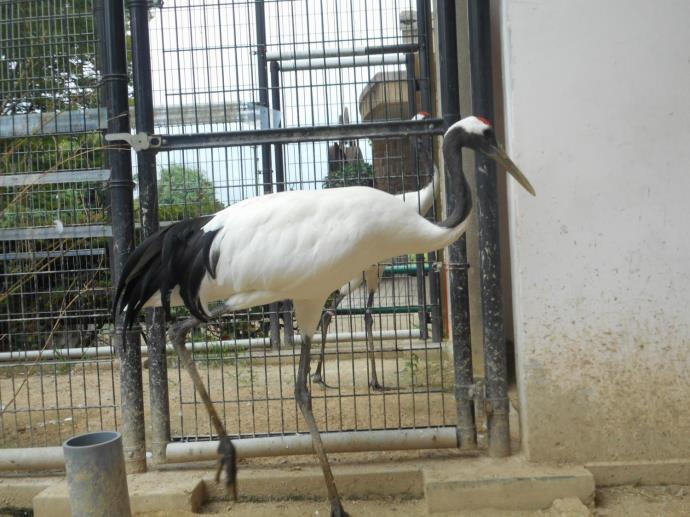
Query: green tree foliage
x=33, y=205
x=182, y=193
x=50, y=61
x=48, y=65
x=351, y=174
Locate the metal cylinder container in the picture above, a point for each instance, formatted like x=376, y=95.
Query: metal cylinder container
x=96, y=478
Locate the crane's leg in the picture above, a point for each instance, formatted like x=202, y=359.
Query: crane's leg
x=226, y=450
x=368, y=327
x=319, y=374
x=303, y=398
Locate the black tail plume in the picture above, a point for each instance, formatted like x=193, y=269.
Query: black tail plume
x=176, y=256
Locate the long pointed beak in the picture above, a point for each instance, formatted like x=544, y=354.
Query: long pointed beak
x=497, y=154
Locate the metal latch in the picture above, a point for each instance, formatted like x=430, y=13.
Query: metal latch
x=475, y=391
x=138, y=141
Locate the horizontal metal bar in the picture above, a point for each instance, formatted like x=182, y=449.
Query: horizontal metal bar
x=33, y=255
x=400, y=309
x=389, y=129
x=51, y=458
x=347, y=441
x=404, y=269
x=341, y=62
x=283, y=54
x=54, y=178
x=216, y=113
x=95, y=119
x=52, y=232
x=103, y=351
x=35, y=458
x=51, y=123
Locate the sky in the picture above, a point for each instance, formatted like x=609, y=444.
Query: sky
x=204, y=55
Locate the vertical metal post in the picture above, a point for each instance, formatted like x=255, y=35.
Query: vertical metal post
x=275, y=104
x=424, y=82
x=497, y=404
x=280, y=187
x=412, y=109
x=148, y=199
x=457, y=252
x=262, y=68
x=121, y=187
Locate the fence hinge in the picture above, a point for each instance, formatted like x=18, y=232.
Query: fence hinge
x=475, y=391
x=138, y=141
x=478, y=391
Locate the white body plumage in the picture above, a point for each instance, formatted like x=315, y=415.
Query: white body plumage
x=302, y=245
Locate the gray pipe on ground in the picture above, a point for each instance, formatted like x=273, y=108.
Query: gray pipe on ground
x=96, y=478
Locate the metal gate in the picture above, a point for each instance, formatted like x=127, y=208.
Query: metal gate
x=231, y=100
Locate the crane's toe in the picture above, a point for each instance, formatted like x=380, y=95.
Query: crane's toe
x=376, y=386
x=318, y=379
x=337, y=510
x=228, y=460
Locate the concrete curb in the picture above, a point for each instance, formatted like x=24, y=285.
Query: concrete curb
x=448, y=484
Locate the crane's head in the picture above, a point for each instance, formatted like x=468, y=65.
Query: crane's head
x=478, y=134
x=421, y=115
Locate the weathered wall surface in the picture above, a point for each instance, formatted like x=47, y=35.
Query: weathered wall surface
x=597, y=98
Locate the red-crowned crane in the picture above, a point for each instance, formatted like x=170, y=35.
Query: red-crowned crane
x=421, y=200
x=298, y=245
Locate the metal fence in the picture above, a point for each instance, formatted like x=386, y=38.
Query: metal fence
x=54, y=226
x=245, y=98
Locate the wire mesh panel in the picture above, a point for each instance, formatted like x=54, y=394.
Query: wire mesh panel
x=224, y=66
x=54, y=226
x=219, y=67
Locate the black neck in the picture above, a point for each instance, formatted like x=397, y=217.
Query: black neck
x=459, y=195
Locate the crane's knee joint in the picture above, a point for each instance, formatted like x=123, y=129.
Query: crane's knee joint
x=302, y=396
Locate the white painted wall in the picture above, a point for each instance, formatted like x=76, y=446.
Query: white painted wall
x=597, y=100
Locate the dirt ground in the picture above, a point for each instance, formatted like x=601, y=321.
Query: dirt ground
x=68, y=399
x=254, y=394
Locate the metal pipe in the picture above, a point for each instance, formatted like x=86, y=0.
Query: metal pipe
x=346, y=441
x=496, y=378
x=148, y=198
x=262, y=69
x=457, y=252
x=275, y=105
x=51, y=458
x=158, y=384
x=285, y=54
x=424, y=85
x=320, y=63
x=419, y=265
x=34, y=458
x=287, y=135
x=96, y=478
x=105, y=352
x=113, y=48
x=266, y=165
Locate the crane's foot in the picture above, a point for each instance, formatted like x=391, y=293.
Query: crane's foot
x=337, y=510
x=317, y=379
x=374, y=385
x=228, y=460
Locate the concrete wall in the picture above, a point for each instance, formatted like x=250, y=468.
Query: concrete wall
x=597, y=100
